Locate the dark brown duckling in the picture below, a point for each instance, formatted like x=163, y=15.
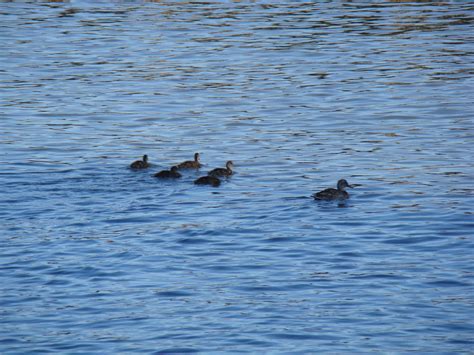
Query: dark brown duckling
x=334, y=194
x=208, y=180
x=190, y=164
x=168, y=174
x=221, y=171
x=140, y=164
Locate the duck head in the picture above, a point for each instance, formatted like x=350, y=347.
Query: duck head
x=343, y=184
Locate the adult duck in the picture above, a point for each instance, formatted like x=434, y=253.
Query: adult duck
x=334, y=194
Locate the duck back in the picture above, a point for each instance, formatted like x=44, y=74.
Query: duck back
x=208, y=180
x=189, y=165
x=167, y=174
x=219, y=172
x=331, y=194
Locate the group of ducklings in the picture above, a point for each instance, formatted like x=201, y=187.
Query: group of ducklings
x=212, y=177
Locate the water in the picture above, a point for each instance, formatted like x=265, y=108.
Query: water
x=97, y=258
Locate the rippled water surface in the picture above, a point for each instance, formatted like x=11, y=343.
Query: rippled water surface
x=97, y=258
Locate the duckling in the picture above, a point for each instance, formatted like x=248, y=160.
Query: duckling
x=208, y=180
x=168, y=174
x=140, y=164
x=334, y=194
x=221, y=171
x=190, y=164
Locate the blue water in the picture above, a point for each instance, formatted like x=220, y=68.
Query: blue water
x=96, y=258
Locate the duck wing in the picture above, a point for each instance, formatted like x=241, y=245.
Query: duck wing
x=139, y=164
x=163, y=174
x=189, y=165
x=166, y=174
x=208, y=180
x=328, y=194
x=219, y=172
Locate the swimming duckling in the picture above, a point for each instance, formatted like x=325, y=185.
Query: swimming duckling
x=333, y=194
x=221, y=171
x=208, y=180
x=191, y=164
x=168, y=174
x=140, y=164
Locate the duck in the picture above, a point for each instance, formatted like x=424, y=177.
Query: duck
x=190, y=164
x=208, y=180
x=140, y=164
x=334, y=194
x=168, y=174
x=221, y=171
